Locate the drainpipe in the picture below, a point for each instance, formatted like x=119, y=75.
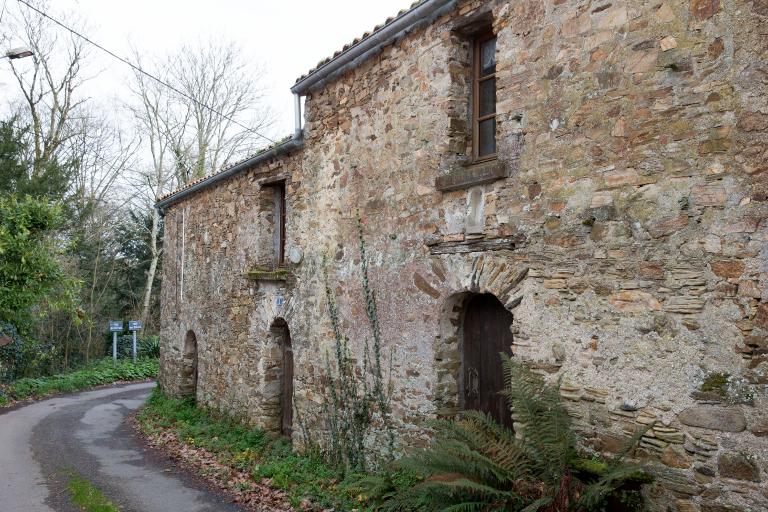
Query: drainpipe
x=297, y=116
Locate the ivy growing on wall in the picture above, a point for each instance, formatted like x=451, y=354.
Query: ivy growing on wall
x=358, y=393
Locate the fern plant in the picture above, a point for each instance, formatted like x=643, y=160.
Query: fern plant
x=476, y=464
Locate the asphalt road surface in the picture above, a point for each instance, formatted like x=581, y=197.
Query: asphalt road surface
x=43, y=444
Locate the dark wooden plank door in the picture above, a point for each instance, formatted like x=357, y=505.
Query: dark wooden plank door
x=486, y=334
x=286, y=397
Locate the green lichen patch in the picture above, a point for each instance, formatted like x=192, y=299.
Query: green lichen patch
x=716, y=382
x=263, y=274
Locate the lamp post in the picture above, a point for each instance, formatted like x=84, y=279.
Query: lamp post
x=17, y=53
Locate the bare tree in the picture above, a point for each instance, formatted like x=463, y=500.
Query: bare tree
x=163, y=126
x=81, y=148
x=101, y=155
x=212, y=112
x=49, y=85
x=224, y=98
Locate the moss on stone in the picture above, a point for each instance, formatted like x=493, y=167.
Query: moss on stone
x=716, y=382
x=596, y=468
x=263, y=274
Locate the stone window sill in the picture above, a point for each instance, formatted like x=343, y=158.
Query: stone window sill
x=470, y=175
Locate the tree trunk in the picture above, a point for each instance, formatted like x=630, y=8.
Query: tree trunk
x=152, y=266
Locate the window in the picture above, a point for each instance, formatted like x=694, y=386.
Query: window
x=275, y=205
x=280, y=224
x=484, y=97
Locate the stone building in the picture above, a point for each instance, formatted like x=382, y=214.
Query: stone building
x=579, y=183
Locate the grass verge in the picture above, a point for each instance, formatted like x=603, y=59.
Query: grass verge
x=239, y=450
x=97, y=373
x=88, y=497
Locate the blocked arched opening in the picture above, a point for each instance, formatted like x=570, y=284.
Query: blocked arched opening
x=278, y=385
x=474, y=329
x=189, y=369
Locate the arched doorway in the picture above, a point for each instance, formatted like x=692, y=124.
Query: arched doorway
x=282, y=336
x=486, y=334
x=189, y=365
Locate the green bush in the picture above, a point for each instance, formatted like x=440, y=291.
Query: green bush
x=95, y=374
x=358, y=399
x=149, y=346
x=29, y=270
x=146, y=346
x=473, y=463
x=11, y=351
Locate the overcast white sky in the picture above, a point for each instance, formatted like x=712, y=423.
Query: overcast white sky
x=287, y=38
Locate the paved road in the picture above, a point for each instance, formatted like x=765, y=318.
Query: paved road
x=42, y=444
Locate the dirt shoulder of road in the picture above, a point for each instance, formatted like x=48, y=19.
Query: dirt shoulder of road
x=207, y=469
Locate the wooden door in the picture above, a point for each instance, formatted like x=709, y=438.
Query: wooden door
x=286, y=395
x=486, y=335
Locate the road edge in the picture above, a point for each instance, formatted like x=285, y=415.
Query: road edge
x=15, y=405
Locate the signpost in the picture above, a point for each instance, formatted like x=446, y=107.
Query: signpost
x=115, y=326
x=133, y=326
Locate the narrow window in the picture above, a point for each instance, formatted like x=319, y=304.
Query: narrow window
x=484, y=97
x=280, y=224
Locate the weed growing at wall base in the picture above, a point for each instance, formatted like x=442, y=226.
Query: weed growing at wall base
x=304, y=478
x=357, y=396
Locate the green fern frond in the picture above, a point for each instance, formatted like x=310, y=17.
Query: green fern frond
x=538, y=504
x=474, y=463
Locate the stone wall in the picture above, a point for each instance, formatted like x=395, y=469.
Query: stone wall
x=628, y=240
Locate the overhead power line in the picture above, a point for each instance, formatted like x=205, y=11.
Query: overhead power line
x=139, y=70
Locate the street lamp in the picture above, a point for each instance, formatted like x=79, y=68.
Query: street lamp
x=18, y=53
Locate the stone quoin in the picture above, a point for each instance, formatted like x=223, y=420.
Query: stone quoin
x=611, y=198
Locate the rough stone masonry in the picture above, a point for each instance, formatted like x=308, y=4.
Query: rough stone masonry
x=623, y=224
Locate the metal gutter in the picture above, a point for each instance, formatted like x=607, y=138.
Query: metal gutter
x=350, y=58
x=294, y=143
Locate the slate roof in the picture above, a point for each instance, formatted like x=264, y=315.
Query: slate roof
x=225, y=169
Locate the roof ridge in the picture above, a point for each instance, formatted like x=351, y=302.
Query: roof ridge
x=259, y=152
x=358, y=40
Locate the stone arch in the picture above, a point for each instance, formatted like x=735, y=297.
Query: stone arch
x=486, y=275
x=189, y=367
x=278, y=362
